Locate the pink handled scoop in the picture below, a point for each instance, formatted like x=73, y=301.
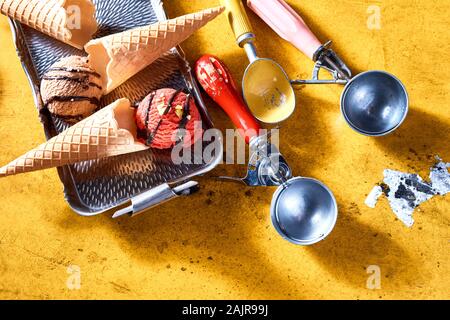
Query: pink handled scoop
x=374, y=103
x=292, y=28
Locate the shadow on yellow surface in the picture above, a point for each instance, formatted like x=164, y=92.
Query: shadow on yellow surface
x=418, y=140
x=305, y=137
x=164, y=237
x=354, y=245
x=167, y=237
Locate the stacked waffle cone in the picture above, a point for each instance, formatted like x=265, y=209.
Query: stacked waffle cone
x=109, y=132
x=120, y=56
x=70, y=21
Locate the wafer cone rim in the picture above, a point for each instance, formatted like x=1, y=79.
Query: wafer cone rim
x=47, y=22
x=106, y=114
x=103, y=59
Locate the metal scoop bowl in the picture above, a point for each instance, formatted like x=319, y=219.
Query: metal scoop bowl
x=304, y=211
x=374, y=103
x=267, y=89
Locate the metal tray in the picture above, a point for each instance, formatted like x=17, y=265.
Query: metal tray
x=146, y=178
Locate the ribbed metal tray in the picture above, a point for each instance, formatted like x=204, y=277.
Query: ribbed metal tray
x=94, y=187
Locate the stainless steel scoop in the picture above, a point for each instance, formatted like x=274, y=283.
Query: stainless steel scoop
x=304, y=211
x=374, y=103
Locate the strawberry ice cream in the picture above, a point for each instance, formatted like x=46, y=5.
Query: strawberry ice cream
x=167, y=117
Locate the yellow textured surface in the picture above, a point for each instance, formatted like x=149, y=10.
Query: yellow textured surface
x=219, y=243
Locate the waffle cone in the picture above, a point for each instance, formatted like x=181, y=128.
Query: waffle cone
x=120, y=56
x=109, y=132
x=70, y=21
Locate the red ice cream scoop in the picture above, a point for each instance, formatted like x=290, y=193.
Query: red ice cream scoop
x=167, y=117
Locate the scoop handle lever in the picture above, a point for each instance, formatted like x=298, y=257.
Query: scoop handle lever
x=216, y=80
x=287, y=23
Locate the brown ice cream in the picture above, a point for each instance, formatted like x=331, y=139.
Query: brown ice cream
x=71, y=89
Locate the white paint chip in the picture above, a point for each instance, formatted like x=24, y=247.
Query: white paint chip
x=440, y=177
x=406, y=191
x=374, y=195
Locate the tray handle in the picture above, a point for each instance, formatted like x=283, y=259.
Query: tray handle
x=155, y=197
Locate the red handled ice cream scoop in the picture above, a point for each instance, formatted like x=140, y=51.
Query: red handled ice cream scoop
x=303, y=210
x=215, y=78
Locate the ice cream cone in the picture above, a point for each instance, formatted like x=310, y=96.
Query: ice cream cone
x=120, y=56
x=70, y=21
x=109, y=132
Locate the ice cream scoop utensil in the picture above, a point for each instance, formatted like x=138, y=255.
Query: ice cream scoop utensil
x=303, y=210
x=374, y=103
x=216, y=80
x=266, y=87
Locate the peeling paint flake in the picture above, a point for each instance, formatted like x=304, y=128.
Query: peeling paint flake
x=406, y=191
x=374, y=195
x=440, y=178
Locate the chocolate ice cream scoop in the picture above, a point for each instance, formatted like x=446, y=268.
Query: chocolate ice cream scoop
x=71, y=89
